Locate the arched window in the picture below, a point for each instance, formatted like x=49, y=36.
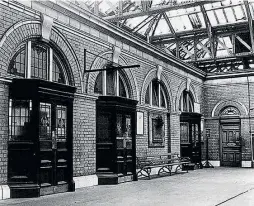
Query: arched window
x=186, y=103
x=155, y=94
x=113, y=84
x=40, y=61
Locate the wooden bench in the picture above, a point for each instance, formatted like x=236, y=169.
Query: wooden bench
x=164, y=162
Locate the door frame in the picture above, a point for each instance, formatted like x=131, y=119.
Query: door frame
x=233, y=120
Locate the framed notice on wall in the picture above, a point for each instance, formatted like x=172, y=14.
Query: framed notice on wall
x=140, y=123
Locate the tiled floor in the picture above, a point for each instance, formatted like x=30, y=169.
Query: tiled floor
x=203, y=187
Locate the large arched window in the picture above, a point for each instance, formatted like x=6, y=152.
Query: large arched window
x=155, y=94
x=38, y=60
x=113, y=84
x=186, y=103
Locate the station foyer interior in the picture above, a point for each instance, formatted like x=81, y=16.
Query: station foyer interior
x=88, y=88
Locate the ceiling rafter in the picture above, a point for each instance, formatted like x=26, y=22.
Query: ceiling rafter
x=151, y=23
x=250, y=23
x=158, y=9
x=209, y=29
x=169, y=24
x=243, y=43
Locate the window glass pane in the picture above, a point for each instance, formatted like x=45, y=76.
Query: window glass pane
x=122, y=91
x=224, y=139
x=45, y=121
x=39, y=62
x=98, y=84
x=57, y=71
x=155, y=94
x=17, y=66
x=163, y=103
x=147, y=101
x=110, y=83
x=61, y=122
x=19, y=120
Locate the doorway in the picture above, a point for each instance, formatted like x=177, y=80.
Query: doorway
x=54, y=151
x=190, y=136
x=115, y=140
x=230, y=145
x=40, y=138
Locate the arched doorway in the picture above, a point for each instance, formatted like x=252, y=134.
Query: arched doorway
x=190, y=129
x=115, y=128
x=40, y=122
x=230, y=139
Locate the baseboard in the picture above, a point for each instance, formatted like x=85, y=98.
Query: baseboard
x=4, y=192
x=85, y=181
x=246, y=163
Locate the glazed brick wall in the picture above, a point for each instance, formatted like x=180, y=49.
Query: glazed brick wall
x=84, y=142
x=142, y=141
x=84, y=130
x=4, y=93
x=229, y=91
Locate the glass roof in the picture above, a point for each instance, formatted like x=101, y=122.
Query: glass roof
x=184, y=28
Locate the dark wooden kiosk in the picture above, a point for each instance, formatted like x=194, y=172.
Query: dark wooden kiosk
x=40, y=138
x=116, y=140
x=190, y=132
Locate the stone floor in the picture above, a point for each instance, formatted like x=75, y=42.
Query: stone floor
x=204, y=187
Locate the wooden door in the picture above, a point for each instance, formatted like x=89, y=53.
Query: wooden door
x=124, y=147
x=53, y=170
x=230, y=145
x=186, y=142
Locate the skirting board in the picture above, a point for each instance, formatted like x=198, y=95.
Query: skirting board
x=246, y=163
x=85, y=181
x=4, y=192
x=215, y=163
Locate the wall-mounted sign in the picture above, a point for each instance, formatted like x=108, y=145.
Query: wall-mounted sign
x=140, y=123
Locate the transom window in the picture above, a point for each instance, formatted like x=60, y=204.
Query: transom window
x=186, y=103
x=111, y=82
x=155, y=94
x=40, y=61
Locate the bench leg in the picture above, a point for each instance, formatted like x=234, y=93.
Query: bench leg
x=144, y=172
x=162, y=170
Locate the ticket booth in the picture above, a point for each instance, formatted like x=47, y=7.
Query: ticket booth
x=190, y=135
x=115, y=139
x=40, y=138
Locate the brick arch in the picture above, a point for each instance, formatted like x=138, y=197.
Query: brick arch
x=66, y=49
x=24, y=30
x=14, y=36
x=226, y=103
x=181, y=88
x=99, y=62
x=151, y=75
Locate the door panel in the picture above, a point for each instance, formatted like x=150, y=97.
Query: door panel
x=124, y=147
x=231, y=147
x=53, y=148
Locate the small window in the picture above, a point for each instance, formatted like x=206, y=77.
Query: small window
x=17, y=66
x=111, y=84
x=38, y=64
x=19, y=119
x=158, y=98
x=186, y=102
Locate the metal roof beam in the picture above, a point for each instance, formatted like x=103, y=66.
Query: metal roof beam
x=250, y=22
x=159, y=9
x=169, y=24
x=221, y=30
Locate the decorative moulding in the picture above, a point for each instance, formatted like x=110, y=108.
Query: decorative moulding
x=46, y=26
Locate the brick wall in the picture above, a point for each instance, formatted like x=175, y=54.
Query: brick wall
x=235, y=91
x=72, y=42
